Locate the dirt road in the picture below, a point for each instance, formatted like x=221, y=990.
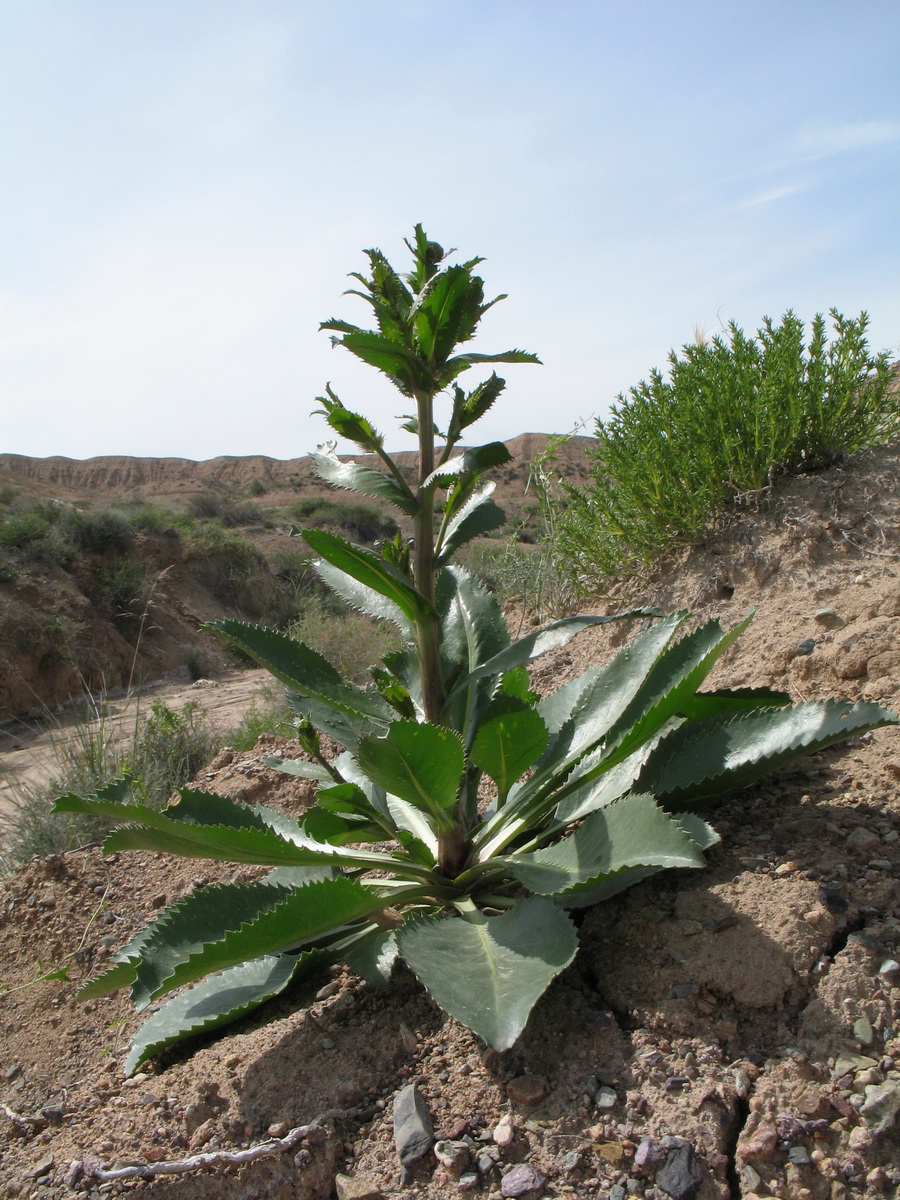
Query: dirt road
x=29, y=753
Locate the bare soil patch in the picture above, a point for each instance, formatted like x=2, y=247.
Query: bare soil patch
x=734, y=1032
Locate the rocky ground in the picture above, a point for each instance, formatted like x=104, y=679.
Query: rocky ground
x=730, y=1033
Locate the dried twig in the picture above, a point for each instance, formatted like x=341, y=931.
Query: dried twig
x=218, y=1158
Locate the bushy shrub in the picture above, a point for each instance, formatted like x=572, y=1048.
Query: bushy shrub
x=211, y=506
x=232, y=568
x=731, y=415
x=362, y=522
x=98, y=532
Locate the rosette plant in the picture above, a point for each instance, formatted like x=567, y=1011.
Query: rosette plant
x=464, y=817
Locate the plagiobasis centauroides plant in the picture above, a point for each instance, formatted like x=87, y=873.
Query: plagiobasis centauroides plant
x=466, y=816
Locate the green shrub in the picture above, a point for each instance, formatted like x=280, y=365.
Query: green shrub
x=122, y=591
x=211, y=506
x=350, y=641
x=169, y=748
x=360, y=521
x=100, y=532
x=24, y=530
x=731, y=415
x=232, y=568
x=161, y=751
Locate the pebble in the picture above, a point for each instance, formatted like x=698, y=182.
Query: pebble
x=504, y=1133
x=527, y=1089
x=521, y=1179
x=681, y=1175
x=805, y=647
x=833, y=900
x=889, y=967
x=799, y=1155
x=862, y=1031
x=454, y=1155
x=413, y=1128
x=468, y=1181
x=649, y=1153
x=880, y=1106
x=606, y=1098
x=41, y=1167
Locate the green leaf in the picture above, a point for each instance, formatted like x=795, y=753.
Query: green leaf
x=219, y=1000
x=297, y=766
x=711, y=704
x=454, y=367
x=364, y=599
x=522, y=652
x=702, y=760
x=508, y=743
x=473, y=628
x=340, y=830
x=489, y=972
x=467, y=409
x=631, y=832
x=155, y=831
x=373, y=957
x=371, y=570
x=478, y=517
x=365, y=480
x=421, y=764
x=403, y=367
x=303, y=670
x=471, y=462
x=349, y=424
x=298, y=917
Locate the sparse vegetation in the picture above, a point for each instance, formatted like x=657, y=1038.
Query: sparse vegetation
x=161, y=750
x=733, y=413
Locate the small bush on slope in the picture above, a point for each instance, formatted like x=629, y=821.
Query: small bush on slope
x=730, y=416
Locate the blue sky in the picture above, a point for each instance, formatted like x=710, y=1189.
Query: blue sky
x=187, y=183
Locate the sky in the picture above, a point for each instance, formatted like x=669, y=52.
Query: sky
x=185, y=185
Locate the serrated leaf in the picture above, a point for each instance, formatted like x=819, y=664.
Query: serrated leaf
x=368, y=482
x=371, y=570
x=472, y=628
x=520, y=653
x=299, y=916
x=364, y=599
x=711, y=704
x=469, y=408
x=508, y=743
x=631, y=832
x=218, y=1001
x=705, y=759
x=489, y=973
x=340, y=830
x=477, y=517
x=302, y=669
x=472, y=460
x=265, y=847
x=422, y=764
x=298, y=767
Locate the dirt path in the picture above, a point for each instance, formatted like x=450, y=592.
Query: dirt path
x=29, y=753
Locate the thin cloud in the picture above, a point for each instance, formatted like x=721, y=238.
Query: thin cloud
x=772, y=195
x=844, y=136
